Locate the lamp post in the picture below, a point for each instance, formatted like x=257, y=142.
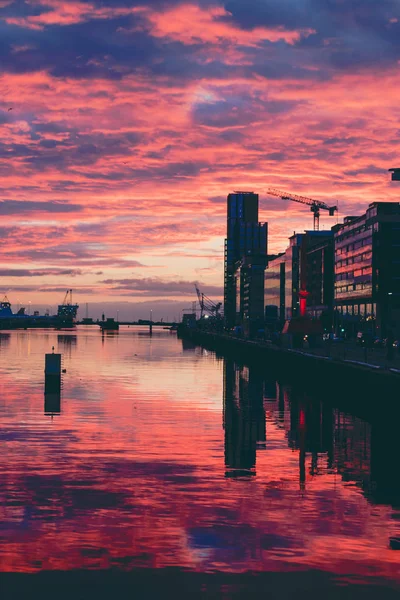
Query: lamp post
x=389, y=310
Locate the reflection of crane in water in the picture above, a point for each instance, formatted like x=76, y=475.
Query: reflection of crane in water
x=207, y=306
x=316, y=205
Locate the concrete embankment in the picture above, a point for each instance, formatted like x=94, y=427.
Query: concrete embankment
x=348, y=385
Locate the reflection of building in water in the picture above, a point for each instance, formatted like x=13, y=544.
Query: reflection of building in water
x=384, y=462
x=367, y=454
x=315, y=418
x=352, y=448
x=270, y=390
x=360, y=452
x=68, y=342
x=4, y=339
x=188, y=345
x=325, y=438
x=277, y=403
x=244, y=418
x=309, y=430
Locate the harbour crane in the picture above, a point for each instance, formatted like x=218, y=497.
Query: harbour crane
x=207, y=305
x=395, y=174
x=67, y=310
x=67, y=298
x=315, y=205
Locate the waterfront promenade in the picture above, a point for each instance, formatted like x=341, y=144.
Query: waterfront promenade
x=349, y=351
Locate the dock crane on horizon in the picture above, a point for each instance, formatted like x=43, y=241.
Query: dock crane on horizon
x=315, y=205
x=207, y=305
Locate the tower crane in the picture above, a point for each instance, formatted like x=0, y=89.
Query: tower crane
x=207, y=305
x=315, y=205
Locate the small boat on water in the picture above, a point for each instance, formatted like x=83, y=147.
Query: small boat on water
x=109, y=324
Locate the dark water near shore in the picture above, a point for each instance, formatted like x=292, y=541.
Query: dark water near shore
x=159, y=455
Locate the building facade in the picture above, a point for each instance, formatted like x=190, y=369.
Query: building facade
x=249, y=277
x=274, y=292
x=367, y=271
x=289, y=271
x=320, y=278
x=246, y=237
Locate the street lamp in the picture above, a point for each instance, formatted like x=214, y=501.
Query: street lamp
x=389, y=309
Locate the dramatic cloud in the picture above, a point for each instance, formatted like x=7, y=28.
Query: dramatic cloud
x=157, y=287
x=38, y=273
x=124, y=124
x=21, y=207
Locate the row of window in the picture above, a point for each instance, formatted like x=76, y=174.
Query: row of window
x=354, y=287
x=365, y=256
x=355, y=273
x=354, y=246
x=366, y=310
x=354, y=231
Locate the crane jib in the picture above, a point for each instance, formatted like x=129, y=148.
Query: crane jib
x=315, y=205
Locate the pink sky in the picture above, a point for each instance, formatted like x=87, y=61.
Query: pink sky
x=132, y=120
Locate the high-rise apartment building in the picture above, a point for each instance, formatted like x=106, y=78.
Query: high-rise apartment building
x=246, y=237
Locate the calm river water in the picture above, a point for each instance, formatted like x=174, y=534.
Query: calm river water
x=160, y=455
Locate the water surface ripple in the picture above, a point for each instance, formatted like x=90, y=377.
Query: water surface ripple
x=158, y=454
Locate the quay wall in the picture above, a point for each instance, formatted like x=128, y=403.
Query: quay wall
x=366, y=390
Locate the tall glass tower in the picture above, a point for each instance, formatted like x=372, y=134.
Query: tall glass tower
x=245, y=237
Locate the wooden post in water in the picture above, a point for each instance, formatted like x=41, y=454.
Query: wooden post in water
x=52, y=364
x=52, y=383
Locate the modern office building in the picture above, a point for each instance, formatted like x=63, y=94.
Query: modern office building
x=246, y=237
x=274, y=292
x=367, y=271
x=320, y=278
x=249, y=278
x=284, y=277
